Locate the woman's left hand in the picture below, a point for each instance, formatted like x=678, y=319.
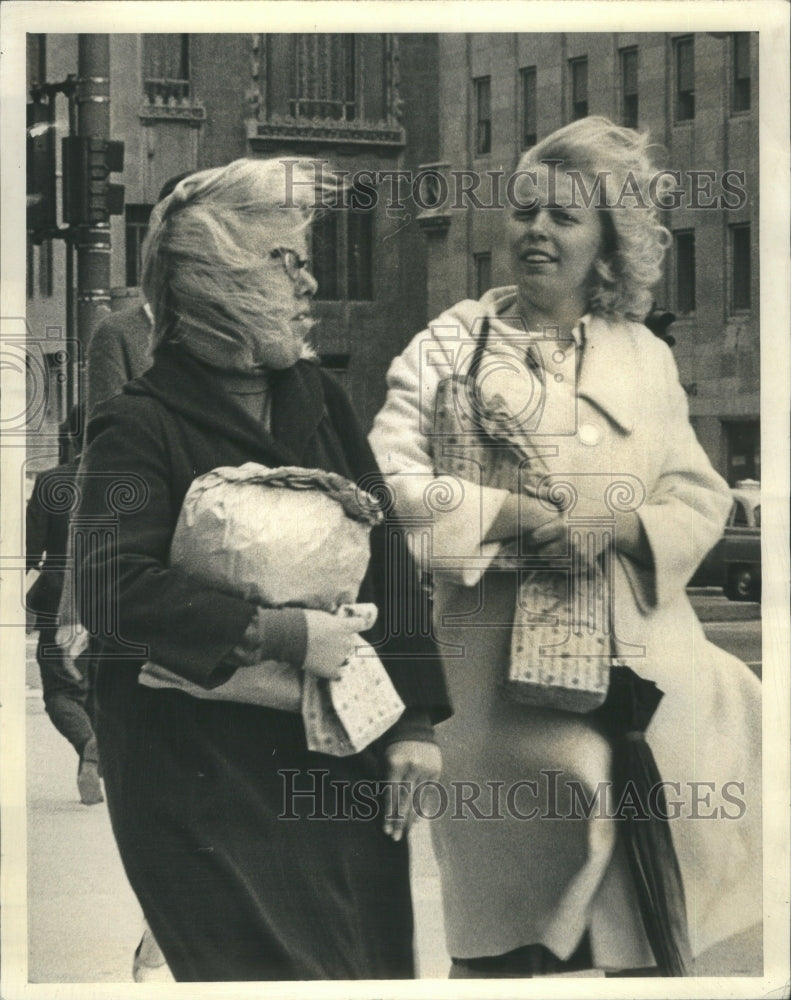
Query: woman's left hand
x=409, y=762
x=556, y=538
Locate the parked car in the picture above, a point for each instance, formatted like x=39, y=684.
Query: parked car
x=735, y=561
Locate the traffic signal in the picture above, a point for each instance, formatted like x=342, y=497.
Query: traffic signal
x=88, y=196
x=41, y=208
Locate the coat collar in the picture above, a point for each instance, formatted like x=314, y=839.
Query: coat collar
x=609, y=349
x=188, y=387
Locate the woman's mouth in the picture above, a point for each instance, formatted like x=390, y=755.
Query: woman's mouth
x=537, y=257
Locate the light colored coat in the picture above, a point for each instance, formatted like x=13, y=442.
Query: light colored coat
x=511, y=882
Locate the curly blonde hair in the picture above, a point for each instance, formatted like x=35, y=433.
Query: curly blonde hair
x=630, y=187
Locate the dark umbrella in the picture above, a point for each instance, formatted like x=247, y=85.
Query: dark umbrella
x=624, y=716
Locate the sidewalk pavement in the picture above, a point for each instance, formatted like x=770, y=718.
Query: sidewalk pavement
x=711, y=605
x=83, y=919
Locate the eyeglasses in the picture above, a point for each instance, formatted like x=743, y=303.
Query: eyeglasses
x=292, y=263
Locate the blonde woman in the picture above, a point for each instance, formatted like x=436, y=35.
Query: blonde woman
x=196, y=790
x=570, y=504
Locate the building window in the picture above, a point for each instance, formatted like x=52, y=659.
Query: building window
x=482, y=263
x=579, y=88
x=684, y=254
x=529, y=110
x=684, y=52
x=166, y=69
x=324, y=83
x=324, y=89
x=323, y=77
x=136, y=218
x=342, y=255
x=483, y=115
x=740, y=62
x=629, y=87
x=741, y=267
x=744, y=450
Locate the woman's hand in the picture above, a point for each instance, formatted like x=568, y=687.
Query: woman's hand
x=409, y=762
x=331, y=640
x=556, y=538
x=518, y=515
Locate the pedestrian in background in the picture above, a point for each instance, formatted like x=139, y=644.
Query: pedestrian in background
x=120, y=346
x=506, y=422
x=65, y=685
x=119, y=350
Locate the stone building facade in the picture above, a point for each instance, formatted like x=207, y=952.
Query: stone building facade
x=697, y=96
x=472, y=102
x=349, y=103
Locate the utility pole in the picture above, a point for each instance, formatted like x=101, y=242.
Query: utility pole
x=89, y=199
x=92, y=98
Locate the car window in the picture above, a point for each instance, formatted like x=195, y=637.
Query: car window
x=757, y=516
x=739, y=518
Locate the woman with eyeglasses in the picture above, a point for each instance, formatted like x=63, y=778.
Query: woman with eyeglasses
x=239, y=842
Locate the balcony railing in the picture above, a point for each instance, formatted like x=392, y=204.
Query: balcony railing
x=170, y=99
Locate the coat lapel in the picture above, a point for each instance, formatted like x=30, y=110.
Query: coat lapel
x=609, y=351
x=297, y=406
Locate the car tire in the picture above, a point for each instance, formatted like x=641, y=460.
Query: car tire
x=743, y=584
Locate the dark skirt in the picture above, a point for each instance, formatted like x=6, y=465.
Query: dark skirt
x=239, y=877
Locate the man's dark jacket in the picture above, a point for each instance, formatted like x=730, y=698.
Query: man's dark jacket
x=46, y=538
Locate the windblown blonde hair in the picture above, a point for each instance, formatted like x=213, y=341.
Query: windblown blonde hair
x=635, y=240
x=201, y=276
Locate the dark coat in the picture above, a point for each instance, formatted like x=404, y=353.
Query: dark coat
x=46, y=539
x=144, y=449
x=195, y=787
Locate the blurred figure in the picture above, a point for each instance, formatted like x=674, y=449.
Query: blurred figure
x=65, y=686
x=659, y=322
x=120, y=346
x=119, y=351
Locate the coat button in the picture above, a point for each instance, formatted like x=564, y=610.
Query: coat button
x=589, y=434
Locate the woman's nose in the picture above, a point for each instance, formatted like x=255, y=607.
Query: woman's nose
x=537, y=223
x=305, y=286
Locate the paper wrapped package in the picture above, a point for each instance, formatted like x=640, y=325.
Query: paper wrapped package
x=288, y=537
x=557, y=659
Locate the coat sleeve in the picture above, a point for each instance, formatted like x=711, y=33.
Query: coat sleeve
x=35, y=528
x=402, y=634
x=685, y=512
x=460, y=510
x=129, y=599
